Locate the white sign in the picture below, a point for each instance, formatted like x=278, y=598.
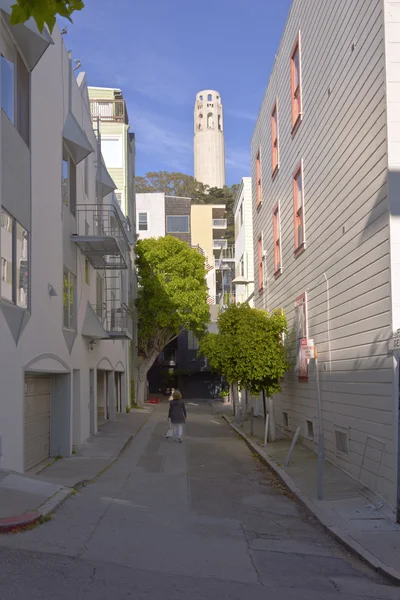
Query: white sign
x=394, y=343
x=307, y=348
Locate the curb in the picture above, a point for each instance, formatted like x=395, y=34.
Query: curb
x=15, y=523
x=50, y=505
x=322, y=518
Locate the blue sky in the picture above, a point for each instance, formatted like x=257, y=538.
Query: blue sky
x=161, y=53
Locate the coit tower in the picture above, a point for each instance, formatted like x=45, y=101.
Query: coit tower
x=209, y=145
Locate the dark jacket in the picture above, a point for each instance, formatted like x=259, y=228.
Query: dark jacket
x=177, y=411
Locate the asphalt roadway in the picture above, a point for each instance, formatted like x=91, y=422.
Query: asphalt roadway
x=201, y=520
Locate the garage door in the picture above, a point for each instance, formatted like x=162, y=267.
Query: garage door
x=37, y=420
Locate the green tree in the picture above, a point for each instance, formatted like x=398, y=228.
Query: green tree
x=172, y=296
x=171, y=184
x=248, y=348
x=44, y=11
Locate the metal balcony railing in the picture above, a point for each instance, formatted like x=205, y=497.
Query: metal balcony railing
x=116, y=321
x=109, y=110
x=102, y=236
x=219, y=223
x=228, y=253
x=220, y=244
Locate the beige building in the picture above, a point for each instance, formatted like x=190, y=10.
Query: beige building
x=209, y=145
x=208, y=228
x=108, y=106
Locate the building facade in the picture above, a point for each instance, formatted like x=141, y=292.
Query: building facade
x=63, y=333
x=203, y=226
x=244, y=256
x=209, y=144
x=325, y=156
x=111, y=123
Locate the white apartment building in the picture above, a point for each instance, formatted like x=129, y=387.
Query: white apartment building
x=65, y=257
x=244, y=261
x=326, y=205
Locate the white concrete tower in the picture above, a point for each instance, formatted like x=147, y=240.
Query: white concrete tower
x=209, y=145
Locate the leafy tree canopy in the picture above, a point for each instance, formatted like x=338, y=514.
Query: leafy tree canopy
x=172, y=296
x=248, y=348
x=44, y=11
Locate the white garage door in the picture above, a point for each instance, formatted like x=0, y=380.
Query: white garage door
x=37, y=420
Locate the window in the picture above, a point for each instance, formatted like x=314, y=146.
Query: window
x=99, y=296
x=143, y=221
x=177, y=224
x=7, y=87
x=274, y=135
x=295, y=74
x=277, y=242
x=69, y=299
x=193, y=342
x=14, y=284
x=258, y=179
x=301, y=334
x=86, y=175
x=260, y=264
x=298, y=208
x=241, y=266
x=111, y=149
x=241, y=214
x=219, y=123
x=210, y=122
x=15, y=88
x=87, y=272
x=201, y=97
x=118, y=196
x=68, y=181
x=209, y=98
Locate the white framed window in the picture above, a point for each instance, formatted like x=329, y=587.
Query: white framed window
x=68, y=181
x=143, y=221
x=15, y=87
x=177, y=224
x=69, y=296
x=111, y=149
x=14, y=276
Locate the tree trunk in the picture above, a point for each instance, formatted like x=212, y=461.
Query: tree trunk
x=143, y=368
x=264, y=405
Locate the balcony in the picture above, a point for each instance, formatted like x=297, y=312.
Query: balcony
x=109, y=111
x=228, y=254
x=220, y=244
x=219, y=223
x=102, y=236
x=117, y=322
x=168, y=358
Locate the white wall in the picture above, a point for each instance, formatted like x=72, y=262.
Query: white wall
x=42, y=345
x=244, y=239
x=342, y=143
x=154, y=205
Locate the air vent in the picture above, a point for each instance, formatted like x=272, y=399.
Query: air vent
x=309, y=430
x=285, y=419
x=342, y=440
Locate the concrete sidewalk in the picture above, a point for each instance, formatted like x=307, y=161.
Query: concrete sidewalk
x=25, y=498
x=350, y=512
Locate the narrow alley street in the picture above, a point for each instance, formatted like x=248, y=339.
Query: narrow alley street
x=198, y=520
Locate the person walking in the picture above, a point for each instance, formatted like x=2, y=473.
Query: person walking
x=177, y=415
